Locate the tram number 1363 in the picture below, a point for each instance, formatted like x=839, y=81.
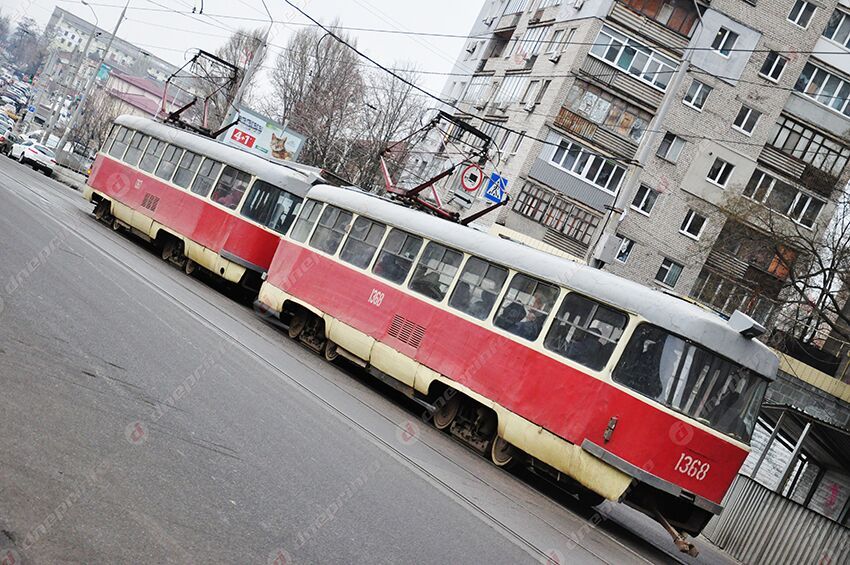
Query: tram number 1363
x=691, y=467
x=376, y=297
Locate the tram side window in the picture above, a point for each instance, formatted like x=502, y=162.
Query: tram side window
x=306, y=220
x=151, y=155
x=207, y=173
x=435, y=271
x=525, y=307
x=119, y=143
x=186, y=169
x=271, y=206
x=585, y=331
x=362, y=242
x=479, y=285
x=170, y=158
x=333, y=224
x=396, y=256
x=135, y=148
x=230, y=187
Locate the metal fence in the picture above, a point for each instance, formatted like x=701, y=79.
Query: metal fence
x=758, y=526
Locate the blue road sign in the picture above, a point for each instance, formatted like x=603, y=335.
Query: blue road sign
x=31, y=109
x=496, y=187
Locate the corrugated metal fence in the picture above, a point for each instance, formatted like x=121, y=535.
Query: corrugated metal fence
x=758, y=526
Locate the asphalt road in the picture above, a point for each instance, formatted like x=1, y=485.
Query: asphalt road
x=148, y=418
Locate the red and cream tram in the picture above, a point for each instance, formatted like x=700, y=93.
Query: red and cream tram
x=200, y=201
x=624, y=392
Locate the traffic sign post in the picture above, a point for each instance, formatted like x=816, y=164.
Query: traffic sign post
x=497, y=187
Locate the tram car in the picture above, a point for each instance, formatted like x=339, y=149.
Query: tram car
x=618, y=391
x=201, y=202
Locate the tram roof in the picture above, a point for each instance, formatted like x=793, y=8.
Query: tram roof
x=275, y=173
x=664, y=310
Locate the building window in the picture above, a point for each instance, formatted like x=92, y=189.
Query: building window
x=668, y=273
x=518, y=142
x=592, y=167
x=531, y=43
x=644, y=200
x=557, y=213
x=811, y=147
x=783, y=198
x=697, y=95
x=693, y=225
x=724, y=41
x=625, y=250
x=746, y=120
x=532, y=202
x=556, y=42
x=671, y=147
x=801, y=13
x=838, y=28
x=805, y=209
x=634, y=58
x=608, y=111
x=477, y=90
x=829, y=89
x=773, y=66
x=511, y=89
x=719, y=172
x=515, y=6
x=534, y=93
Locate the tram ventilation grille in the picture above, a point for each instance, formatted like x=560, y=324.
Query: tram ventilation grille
x=150, y=202
x=406, y=331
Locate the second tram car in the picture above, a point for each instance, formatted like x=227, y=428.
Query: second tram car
x=624, y=392
x=200, y=201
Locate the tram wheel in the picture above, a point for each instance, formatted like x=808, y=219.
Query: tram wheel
x=330, y=350
x=101, y=211
x=168, y=249
x=297, y=325
x=502, y=454
x=189, y=267
x=445, y=414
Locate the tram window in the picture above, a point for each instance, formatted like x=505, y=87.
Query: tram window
x=479, y=285
x=207, y=173
x=186, y=169
x=170, y=158
x=691, y=380
x=230, y=187
x=119, y=143
x=330, y=230
x=526, y=304
x=271, y=206
x=306, y=220
x=362, y=242
x=396, y=256
x=135, y=148
x=151, y=156
x=435, y=271
x=585, y=331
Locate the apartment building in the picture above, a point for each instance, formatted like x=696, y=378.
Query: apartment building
x=656, y=131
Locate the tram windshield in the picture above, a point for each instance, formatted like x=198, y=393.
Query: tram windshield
x=692, y=380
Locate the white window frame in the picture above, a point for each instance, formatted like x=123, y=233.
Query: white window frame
x=800, y=7
x=588, y=165
x=669, y=265
x=809, y=199
x=511, y=89
x=844, y=21
x=677, y=144
x=555, y=42
x=779, y=59
x=643, y=201
x=723, y=168
x=725, y=33
x=701, y=86
x=626, y=248
x=609, y=39
x=518, y=142
x=744, y=115
x=819, y=95
x=688, y=222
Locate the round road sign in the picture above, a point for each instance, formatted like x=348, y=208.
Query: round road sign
x=472, y=178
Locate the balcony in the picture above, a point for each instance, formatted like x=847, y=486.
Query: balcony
x=674, y=40
x=779, y=161
x=639, y=92
x=582, y=127
x=507, y=22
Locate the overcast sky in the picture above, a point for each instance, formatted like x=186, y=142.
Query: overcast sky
x=169, y=35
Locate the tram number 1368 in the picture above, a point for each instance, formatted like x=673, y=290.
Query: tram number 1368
x=691, y=467
x=376, y=297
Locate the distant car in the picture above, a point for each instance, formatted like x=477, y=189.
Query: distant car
x=6, y=121
x=7, y=140
x=36, y=154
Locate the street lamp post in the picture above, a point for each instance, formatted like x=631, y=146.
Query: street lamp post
x=90, y=84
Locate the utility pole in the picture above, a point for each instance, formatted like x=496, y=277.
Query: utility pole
x=90, y=85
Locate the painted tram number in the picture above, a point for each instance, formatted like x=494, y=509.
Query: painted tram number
x=691, y=467
x=376, y=297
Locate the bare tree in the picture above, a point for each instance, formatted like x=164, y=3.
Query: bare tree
x=27, y=46
x=319, y=92
x=5, y=26
x=99, y=111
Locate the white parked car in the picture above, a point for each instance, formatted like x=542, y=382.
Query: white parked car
x=36, y=154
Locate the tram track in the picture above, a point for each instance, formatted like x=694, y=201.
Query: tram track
x=77, y=219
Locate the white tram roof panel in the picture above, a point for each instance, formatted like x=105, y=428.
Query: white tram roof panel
x=669, y=312
x=276, y=173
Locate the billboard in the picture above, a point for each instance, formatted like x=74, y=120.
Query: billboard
x=262, y=136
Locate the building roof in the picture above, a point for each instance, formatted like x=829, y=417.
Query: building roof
x=140, y=101
x=669, y=312
x=146, y=84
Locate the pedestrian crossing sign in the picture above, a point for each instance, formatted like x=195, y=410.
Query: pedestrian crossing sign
x=497, y=186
